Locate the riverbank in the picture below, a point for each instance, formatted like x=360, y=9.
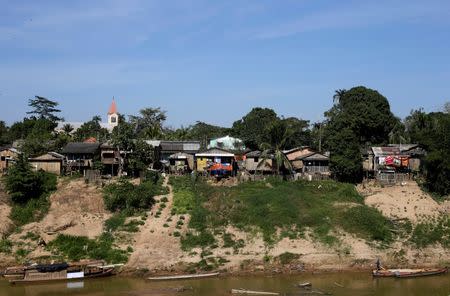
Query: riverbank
x=270, y=227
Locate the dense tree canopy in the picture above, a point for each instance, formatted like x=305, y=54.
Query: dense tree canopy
x=92, y=129
x=359, y=117
x=253, y=127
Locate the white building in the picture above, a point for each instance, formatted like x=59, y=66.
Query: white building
x=113, y=121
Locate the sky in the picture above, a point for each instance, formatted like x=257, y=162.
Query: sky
x=213, y=61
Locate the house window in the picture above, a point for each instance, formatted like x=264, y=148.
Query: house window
x=113, y=119
x=256, y=159
x=3, y=158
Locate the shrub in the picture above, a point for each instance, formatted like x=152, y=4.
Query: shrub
x=33, y=210
x=79, y=247
x=287, y=257
x=5, y=246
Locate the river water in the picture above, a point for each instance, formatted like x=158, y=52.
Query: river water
x=334, y=283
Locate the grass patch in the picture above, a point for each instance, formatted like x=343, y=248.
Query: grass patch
x=117, y=223
x=76, y=248
x=431, y=233
x=288, y=207
x=30, y=236
x=33, y=210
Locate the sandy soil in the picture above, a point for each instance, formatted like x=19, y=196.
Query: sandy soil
x=155, y=247
x=76, y=209
x=5, y=209
x=406, y=201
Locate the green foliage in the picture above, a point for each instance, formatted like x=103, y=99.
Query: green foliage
x=33, y=210
x=368, y=223
x=30, y=236
x=114, y=222
x=125, y=197
x=359, y=117
x=149, y=123
x=253, y=127
x=287, y=206
x=92, y=129
x=4, y=133
x=203, y=239
x=5, y=246
x=29, y=192
x=286, y=257
x=431, y=233
x=76, y=248
x=44, y=108
x=183, y=195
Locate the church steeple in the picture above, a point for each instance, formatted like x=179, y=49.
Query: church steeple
x=113, y=116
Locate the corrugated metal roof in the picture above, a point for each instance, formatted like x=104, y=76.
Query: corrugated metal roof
x=215, y=152
x=81, y=148
x=385, y=151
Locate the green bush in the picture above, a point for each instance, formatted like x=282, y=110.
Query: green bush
x=203, y=239
x=125, y=197
x=76, y=248
x=287, y=257
x=5, y=246
x=431, y=233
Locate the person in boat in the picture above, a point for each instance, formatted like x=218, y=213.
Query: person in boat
x=378, y=264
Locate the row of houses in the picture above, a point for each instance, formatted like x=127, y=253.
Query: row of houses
x=176, y=157
x=386, y=164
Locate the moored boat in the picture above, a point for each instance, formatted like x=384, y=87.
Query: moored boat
x=408, y=273
x=58, y=272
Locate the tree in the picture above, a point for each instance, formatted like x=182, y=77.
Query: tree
x=149, y=124
x=67, y=128
x=300, y=134
x=204, y=132
x=359, y=117
x=277, y=136
x=141, y=156
x=4, y=133
x=44, y=108
x=23, y=184
x=253, y=127
x=92, y=129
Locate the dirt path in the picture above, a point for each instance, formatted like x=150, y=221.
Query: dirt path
x=155, y=246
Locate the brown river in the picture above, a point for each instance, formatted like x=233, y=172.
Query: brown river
x=322, y=284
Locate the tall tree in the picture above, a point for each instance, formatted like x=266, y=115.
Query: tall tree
x=359, y=117
x=276, y=139
x=253, y=127
x=149, y=123
x=4, y=135
x=44, y=108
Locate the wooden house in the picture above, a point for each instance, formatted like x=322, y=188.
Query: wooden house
x=293, y=154
x=180, y=163
x=254, y=163
x=313, y=163
x=112, y=158
x=50, y=162
x=7, y=157
x=80, y=156
x=164, y=149
x=216, y=162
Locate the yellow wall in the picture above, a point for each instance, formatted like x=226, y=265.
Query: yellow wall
x=201, y=163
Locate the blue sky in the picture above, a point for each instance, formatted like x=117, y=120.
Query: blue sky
x=214, y=60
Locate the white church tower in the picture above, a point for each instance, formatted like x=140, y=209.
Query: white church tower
x=113, y=116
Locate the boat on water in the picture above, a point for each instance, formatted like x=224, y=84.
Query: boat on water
x=408, y=273
x=58, y=272
x=183, y=277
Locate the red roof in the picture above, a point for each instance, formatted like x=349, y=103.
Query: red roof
x=113, y=107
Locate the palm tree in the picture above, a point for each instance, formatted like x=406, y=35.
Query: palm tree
x=273, y=147
x=338, y=94
x=67, y=128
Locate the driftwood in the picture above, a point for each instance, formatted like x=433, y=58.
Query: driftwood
x=249, y=292
x=183, y=277
x=339, y=285
x=304, y=285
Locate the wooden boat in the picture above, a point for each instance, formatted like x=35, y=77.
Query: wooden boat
x=57, y=272
x=408, y=273
x=183, y=277
x=249, y=292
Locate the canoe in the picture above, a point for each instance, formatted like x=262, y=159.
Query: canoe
x=249, y=292
x=183, y=277
x=408, y=273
